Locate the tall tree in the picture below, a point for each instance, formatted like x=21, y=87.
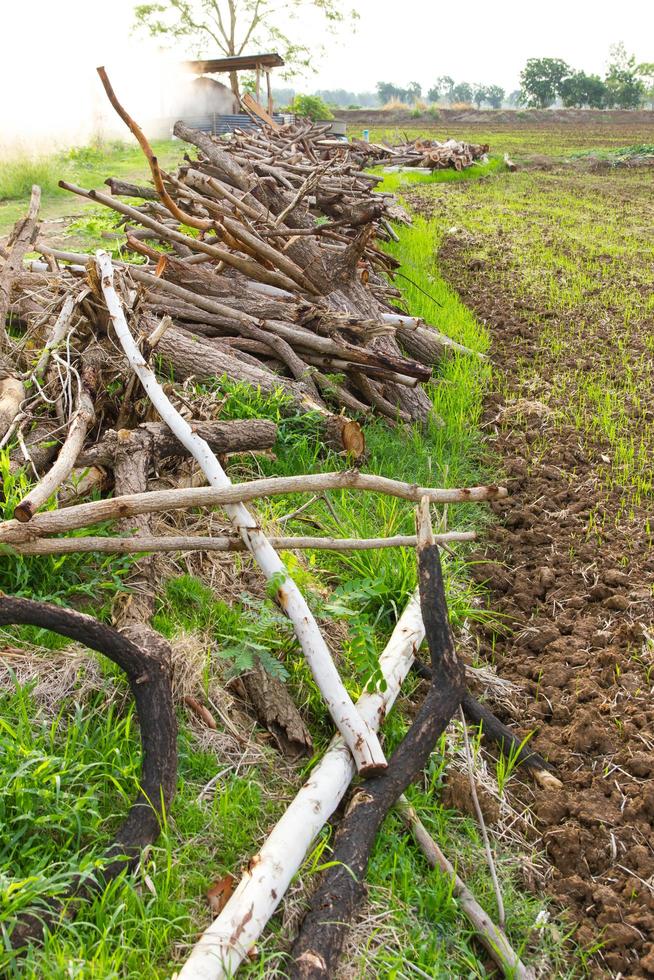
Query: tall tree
x=580, y=89
x=236, y=27
x=445, y=85
x=624, y=88
x=479, y=95
x=495, y=96
x=434, y=93
x=646, y=74
x=541, y=81
x=461, y=92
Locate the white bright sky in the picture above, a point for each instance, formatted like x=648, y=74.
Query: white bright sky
x=49, y=49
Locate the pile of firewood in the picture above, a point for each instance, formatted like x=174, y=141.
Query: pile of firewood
x=259, y=261
x=424, y=153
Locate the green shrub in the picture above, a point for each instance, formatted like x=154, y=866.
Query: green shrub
x=311, y=106
x=18, y=175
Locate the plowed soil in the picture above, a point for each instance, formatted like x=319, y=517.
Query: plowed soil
x=578, y=606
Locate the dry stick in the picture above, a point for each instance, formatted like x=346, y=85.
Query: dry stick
x=65, y=463
x=22, y=238
x=308, y=185
x=137, y=132
x=181, y=498
x=57, y=334
x=248, y=267
x=21, y=241
x=152, y=543
x=149, y=681
x=496, y=731
x=487, y=932
x=227, y=941
x=317, y=949
x=482, y=822
x=361, y=741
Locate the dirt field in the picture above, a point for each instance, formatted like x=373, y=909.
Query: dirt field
x=558, y=264
x=520, y=132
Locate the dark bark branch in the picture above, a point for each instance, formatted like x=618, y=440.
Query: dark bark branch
x=319, y=944
x=149, y=680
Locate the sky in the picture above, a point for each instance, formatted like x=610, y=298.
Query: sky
x=49, y=50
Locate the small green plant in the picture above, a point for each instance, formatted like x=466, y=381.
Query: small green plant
x=311, y=106
x=91, y=579
x=506, y=764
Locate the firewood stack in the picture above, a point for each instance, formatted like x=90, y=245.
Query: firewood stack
x=260, y=261
x=429, y=154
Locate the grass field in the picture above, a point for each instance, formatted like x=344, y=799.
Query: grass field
x=70, y=751
x=88, y=166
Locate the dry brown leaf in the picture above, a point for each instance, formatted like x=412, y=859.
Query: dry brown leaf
x=220, y=893
x=202, y=713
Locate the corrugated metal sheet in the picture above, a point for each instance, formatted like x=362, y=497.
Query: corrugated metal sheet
x=217, y=124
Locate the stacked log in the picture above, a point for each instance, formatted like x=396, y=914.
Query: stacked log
x=424, y=153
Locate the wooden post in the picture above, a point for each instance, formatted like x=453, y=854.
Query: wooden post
x=258, y=84
x=269, y=91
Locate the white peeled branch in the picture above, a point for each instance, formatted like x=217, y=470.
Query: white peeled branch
x=226, y=942
x=360, y=739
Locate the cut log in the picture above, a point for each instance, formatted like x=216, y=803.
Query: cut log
x=12, y=394
x=241, y=435
x=21, y=240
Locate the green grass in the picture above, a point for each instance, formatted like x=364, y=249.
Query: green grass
x=552, y=139
x=87, y=166
x=69, y=773
x=570, y=253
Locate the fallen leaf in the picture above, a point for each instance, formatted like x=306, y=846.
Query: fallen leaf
x=199, y=709
x=220, y=893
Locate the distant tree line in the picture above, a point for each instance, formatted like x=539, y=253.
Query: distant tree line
x=544, y=81
x=626, y=85
x=444, y=89
x=336, y=98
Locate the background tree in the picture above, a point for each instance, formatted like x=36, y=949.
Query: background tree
x=434, y=93
x=645, y=72
x=479, y=95
x=461, y=92
x=495, y=96
x=311, y=106
x=235, y=27
x=580, y=89
x=514, y=98
x=386, y=91
x=445, y=85
x=413, y=91
x=541, y=81
x=624, y=89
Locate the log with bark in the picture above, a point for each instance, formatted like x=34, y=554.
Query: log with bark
x=149, y=680
x=317, y=949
